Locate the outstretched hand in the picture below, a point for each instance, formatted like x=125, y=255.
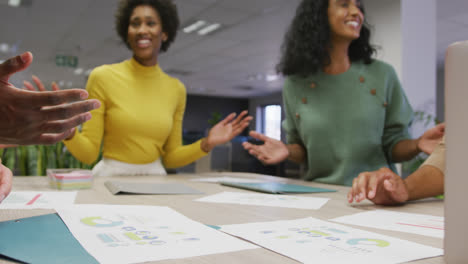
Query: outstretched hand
x=6, y=180
x=429, y=140
x=381, y=187
x=225, y=130
x=28, y=117
x=271, y=152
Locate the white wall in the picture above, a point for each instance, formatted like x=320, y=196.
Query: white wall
x=405, y=30
x=419, y=51
x=384, y=17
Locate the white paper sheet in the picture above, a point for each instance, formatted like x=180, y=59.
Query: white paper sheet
x=275, y=200
x=37, y=200
x=426, y=225
x=311, y=240
x=226, y=179
x=129, y=234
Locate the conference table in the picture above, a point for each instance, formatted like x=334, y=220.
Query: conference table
x=222, y=214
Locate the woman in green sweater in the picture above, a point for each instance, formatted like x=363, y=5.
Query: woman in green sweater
x=345, y=111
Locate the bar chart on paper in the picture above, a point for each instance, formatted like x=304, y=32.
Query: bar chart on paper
x=37, y=200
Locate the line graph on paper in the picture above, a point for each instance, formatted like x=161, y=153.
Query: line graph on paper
x=437, y=224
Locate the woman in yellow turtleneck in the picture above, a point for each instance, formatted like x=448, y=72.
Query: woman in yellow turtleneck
x=140, y=119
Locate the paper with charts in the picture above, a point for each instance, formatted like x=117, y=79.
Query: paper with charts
x=426, y=225
x=130, y=234
x=289, y=201
x=37, y=200
x=310, y=240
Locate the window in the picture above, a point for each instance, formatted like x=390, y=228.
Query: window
x=270, y=118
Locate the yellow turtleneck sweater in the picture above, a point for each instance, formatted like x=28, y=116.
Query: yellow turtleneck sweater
x=140, y=118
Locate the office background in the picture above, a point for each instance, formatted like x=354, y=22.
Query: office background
x=233, y=67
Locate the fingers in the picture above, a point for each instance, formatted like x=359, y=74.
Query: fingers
x=228, y=119
x=237, y=129
x=66, y=111
x=239, y=117
x=29, y=86
x=55, y=87
x=15, y=64
x=3, y=146
x=362, y=185
x=352, y=194
x=258, y=136
x=441, y=126
x=39, y=84
x=48, y=139
x=391, y=182
x=65, y=125
x=35, y=100
x=247, y=145
x=389, y=185
x=6, y=180
x=251, y=148
x=373, y=185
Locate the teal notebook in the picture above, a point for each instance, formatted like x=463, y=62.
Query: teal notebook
x=41, y=239
x=276, y=187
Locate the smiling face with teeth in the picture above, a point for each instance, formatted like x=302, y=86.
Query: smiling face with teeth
x=145, y=34
x=345, y=18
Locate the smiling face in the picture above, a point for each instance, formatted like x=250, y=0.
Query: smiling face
x=345, y=18
x=145, y=35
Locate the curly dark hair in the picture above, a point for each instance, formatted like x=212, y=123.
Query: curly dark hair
x=305, y=47
x=166, y=9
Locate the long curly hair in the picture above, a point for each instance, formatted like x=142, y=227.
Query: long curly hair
x=166, y=9
x=305, y=47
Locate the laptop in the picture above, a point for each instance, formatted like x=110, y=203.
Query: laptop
x=456, y=178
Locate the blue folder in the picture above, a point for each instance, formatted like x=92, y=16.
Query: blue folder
x=276, y=187
x=41, y=239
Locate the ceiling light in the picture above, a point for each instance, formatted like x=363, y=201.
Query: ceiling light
x=78, y=71
x=14, y=3
x=195, y=26
x=271, y=77
x=209, y=29
x=2, y=61
x=4, y=47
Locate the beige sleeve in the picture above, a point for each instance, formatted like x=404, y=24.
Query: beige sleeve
x=437, y=158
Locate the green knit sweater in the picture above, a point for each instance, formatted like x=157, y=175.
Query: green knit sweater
x=348, y=123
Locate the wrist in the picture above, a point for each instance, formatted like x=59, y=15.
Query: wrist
x=288, y=150
x=205, y=145
x=418, y=149
x=409, y=190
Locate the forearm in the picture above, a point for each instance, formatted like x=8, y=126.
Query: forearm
x=82, y=148
x=184, y=155
x=427, y=181
x=405, y=150
x=296, y=153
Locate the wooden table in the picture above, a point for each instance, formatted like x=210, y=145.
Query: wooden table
x=221, y=214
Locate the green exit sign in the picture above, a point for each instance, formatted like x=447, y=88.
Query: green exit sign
x=66, y=61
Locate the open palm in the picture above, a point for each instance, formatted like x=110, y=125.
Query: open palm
x=271, y=152
x=228, y=128
x=431, y=138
